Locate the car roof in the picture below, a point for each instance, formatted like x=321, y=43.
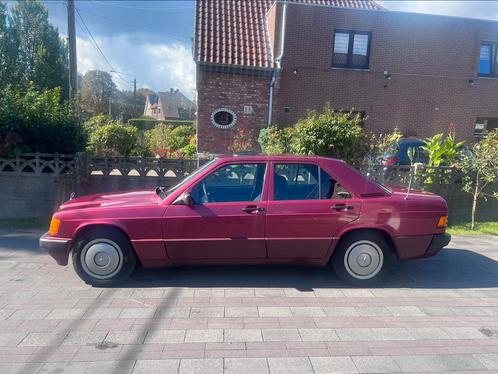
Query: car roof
x=267, y=157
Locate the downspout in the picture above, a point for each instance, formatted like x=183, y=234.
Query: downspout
x=278, y=60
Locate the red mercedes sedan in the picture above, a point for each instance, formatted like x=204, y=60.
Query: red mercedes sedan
x=251, y=210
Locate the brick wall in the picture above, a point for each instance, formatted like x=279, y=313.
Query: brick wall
x=233, y=91
x=430, y=58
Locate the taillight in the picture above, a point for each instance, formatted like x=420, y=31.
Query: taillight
x=442, y=222
x=54, y=226
x=391, y=160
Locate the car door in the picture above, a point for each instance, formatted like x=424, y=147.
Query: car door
x=227, y=220
x=306, y=207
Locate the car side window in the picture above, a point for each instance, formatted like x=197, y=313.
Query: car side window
x=231, y=183
x=305, y=182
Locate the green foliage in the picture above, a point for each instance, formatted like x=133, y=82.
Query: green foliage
x=330, y=133
x=148, y=123
x=113, y=139
x=158, y=139
x=32, y=50
x=97, y=89
x=442, y=151
x=180, y=137
x=167, y=141
x=480, y=169
x=275, y=140
x=96, y=122
x=40, y=120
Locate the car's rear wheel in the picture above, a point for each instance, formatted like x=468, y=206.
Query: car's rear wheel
x=362, y=258
x=103, y=257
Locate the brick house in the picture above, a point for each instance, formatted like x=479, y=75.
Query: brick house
x=267, y=61
x=169, y=105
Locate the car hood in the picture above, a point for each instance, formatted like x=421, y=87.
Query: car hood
x=115, y=199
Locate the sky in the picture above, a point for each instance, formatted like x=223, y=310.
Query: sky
x=152, y=40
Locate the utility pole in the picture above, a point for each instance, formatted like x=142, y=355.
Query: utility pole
x=73, y=68
x=135, y=97
x=110, y=107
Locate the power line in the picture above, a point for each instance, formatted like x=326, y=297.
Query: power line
x=93, y=39
x=129, y=24
x=139, y=8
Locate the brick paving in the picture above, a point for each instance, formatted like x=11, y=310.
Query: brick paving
x=432, y=315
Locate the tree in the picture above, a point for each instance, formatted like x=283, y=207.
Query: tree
x=41, y=54
x=127, y=108
x=480, y=169
x=9, y=69
x=97, y=89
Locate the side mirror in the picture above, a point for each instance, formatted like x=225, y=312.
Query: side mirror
x=184, y=199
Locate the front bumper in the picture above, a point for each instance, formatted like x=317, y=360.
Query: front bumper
x=438, y=242
x=58, y=248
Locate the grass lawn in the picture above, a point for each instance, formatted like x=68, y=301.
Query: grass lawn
x=489, y=228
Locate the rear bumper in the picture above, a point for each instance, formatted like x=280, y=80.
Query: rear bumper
x=58, y=248
x=438, y=242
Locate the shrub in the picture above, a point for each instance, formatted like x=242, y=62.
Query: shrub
x=275, y=140
x=168, y=141
x=97, y=121
x=41, y=120
x=158, y=140
x=148, y=123
x=180, y=136
x=242, y=141
x=442, y=151
x=113, y=139
x=330, y=133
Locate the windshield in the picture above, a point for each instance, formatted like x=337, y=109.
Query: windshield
x=163, y=194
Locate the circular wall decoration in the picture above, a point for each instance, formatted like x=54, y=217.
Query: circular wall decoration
x=223, y=118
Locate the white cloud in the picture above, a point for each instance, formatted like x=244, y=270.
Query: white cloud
x=471, y=9
x=157, y=66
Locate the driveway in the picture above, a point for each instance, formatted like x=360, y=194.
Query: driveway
x=438, y=314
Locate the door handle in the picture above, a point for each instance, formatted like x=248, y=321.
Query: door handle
x=339, y=207
x=252, y=209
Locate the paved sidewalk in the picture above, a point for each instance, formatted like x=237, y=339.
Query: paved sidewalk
x=438, y=314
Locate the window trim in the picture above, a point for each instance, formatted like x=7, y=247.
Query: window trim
x=493, y=63
x=349, y=64
x=264, y=194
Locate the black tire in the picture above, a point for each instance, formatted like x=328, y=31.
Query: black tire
x=368, y=269
x=107, y=245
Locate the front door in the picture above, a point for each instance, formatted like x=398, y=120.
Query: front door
x=227, y=220
x=307, y=206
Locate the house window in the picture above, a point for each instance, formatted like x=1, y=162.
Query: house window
x=223, y=118
x=351, y=49
x=484, y=124
x=488, y=60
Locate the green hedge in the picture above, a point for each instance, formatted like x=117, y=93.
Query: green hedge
x=149, y=123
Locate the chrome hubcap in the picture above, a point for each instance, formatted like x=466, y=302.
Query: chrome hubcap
x=363, y=259
x=101, y=258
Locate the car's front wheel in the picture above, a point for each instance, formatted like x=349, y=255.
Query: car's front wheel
x=103, y=257
x=362, y=258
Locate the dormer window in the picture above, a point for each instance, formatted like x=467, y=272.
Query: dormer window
x=351, y=49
